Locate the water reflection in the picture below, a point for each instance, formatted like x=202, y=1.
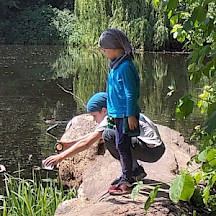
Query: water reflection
x=29, y=93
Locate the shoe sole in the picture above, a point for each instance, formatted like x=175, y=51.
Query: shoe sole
x=119, y=192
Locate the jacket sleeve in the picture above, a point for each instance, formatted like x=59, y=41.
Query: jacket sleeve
x=131, y=84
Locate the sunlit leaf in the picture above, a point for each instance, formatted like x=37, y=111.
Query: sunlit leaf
x=213, y=179
x=182, y=188
x=136, y=189
x=181, y=36
x=156, y=3
x=197, y=177
x=206, y=193
x=175, y=34
x=211, y=157
x=185, y=106
x=151, y=197
x=169, y=14
x=174, y=20
x=202, y=155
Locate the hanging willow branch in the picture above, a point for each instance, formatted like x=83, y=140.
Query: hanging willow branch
x=70, y=92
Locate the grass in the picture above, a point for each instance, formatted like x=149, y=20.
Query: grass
x=32, y=197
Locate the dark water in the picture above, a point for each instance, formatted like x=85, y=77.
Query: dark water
x=29, y=94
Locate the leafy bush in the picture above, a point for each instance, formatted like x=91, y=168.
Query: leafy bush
x=43, y=25
x=193, y=23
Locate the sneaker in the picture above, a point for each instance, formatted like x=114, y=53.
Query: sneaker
x=138, y=174
x=122, y=188
x=117, y=180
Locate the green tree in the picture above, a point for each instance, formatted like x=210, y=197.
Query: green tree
x=43, y=25
x=144, y=23
x=193, y=23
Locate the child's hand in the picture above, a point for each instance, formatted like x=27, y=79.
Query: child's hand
x=53, y=160
x=132, y=122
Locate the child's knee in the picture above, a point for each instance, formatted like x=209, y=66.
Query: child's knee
x=108, y=134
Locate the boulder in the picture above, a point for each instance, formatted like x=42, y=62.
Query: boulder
x=94, y=169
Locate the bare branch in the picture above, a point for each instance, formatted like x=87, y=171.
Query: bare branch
x=70, y=92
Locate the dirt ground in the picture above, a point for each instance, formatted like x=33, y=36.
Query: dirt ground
x=94, y=169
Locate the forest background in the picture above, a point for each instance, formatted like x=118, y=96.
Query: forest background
x=80, y=23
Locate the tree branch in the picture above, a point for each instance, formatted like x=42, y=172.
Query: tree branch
x=70, y=92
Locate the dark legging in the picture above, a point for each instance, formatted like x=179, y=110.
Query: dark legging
x=138, y=150
x=123, y=147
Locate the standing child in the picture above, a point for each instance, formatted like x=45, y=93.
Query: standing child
x=123, y=88
x=147, y=147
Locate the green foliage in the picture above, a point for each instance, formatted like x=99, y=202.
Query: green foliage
x=30, y=197
x=136, y=189
x=210, y=124
x=198, y=187
x=185, y=106
x=193, y=23
x=81, y=22
x=141, y=186
x=182, y=188
x=151, y=197
x=207, y=158
x=44, y=25
x=143, y=23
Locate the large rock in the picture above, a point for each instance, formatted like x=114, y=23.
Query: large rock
x=94, y=171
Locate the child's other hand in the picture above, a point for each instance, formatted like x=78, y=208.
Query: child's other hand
x=132, y=122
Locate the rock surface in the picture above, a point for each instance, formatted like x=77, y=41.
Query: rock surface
x=94, y=169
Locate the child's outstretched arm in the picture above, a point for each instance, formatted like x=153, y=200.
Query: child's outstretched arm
x=74, y=149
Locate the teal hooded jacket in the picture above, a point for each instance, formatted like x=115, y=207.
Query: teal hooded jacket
x=123, y=89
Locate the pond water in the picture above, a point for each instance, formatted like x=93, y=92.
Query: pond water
x=30, y=91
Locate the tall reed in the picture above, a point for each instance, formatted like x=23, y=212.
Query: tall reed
x=32, y=197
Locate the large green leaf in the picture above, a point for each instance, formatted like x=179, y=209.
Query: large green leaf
x=211, y=108
x=174, y=20
x=187, y=25
x=202, y=155
x=156, y=3
x=172, y=4
x=151, y=197
x=210, y=124
x=182, y=188
x=213, y=179
x=185, y=106
x=199, y=14
x=211, y=157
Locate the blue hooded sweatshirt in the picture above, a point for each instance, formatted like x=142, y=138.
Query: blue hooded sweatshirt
x=123, y=90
